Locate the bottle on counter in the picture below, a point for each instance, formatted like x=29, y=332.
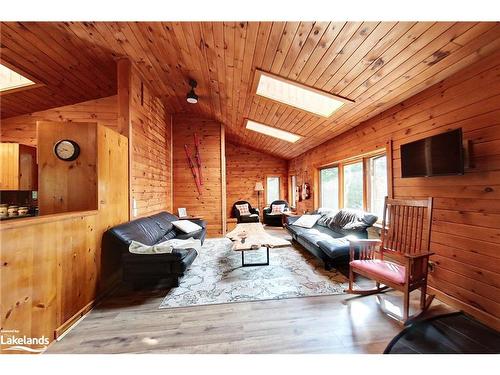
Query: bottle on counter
x=22, y=211
x=4, y=210
x=13, y=211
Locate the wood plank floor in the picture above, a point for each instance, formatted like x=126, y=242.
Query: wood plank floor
x=130, y=322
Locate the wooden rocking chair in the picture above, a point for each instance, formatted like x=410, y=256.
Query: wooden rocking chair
x=399, y=260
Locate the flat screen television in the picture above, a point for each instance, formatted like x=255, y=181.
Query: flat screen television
x=439, y=155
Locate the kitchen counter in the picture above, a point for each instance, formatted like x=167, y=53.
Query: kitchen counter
x=16, y=217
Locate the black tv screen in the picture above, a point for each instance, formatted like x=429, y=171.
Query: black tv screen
x=439, y=155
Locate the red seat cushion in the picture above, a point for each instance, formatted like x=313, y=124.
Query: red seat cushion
x=388, y=270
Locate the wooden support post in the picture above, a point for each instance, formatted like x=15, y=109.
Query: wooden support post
x=223, y=178
x=124, y=72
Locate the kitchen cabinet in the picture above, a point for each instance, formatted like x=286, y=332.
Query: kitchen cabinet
x=18, y=167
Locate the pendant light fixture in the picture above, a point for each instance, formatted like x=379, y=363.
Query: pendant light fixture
x=191, y=97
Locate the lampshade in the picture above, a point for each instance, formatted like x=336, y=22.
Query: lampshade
x=259, y=186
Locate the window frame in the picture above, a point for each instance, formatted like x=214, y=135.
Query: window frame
x=364, y=159
x=363, y=185
x=368, y=179
x=293, y=191
x=338, y=180
x=36, y=82
x=266, y=188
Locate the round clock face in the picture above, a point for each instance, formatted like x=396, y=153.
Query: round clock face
x=67, y=150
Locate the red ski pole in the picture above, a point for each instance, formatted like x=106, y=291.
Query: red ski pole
x=193, y=169
x=198, y=157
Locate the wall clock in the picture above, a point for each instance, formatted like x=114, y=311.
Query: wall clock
x=67, y=150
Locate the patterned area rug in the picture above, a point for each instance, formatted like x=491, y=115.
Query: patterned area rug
x=216, y=276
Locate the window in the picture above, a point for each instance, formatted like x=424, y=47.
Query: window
x=329, y=187
x=353, y=185
x=10, y=80
x=283, y=90
x=272, y=189
x=272, y=132
x=359, y=183
x=377, y=184
x=293, y=191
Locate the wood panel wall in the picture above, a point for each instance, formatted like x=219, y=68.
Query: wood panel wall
x=67, y=186
x=22, y=129
x=209, y=204
x=466, y=222
x=52, y=268
x=151, y=141
x=244, y=167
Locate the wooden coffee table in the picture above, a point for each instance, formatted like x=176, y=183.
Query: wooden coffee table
x=252, y=237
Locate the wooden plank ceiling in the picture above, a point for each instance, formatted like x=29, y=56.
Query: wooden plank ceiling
x=376, y=64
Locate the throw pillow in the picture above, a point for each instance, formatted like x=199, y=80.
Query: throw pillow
x=325, y=211
x=366, y=220
x=243, y=208
x=352, y=220
x=327, y=216
x=277, y=209
x=306, y=221
x=186, y=226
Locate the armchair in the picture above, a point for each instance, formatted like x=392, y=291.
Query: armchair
x=252, y=217
x=274, y=220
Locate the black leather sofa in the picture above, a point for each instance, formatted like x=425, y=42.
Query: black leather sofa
x=144, y=269
x=252, y=218
x=328, y=238
x=274, y=220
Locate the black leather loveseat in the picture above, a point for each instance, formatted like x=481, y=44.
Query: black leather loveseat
x=142, y=269
x=328, y=238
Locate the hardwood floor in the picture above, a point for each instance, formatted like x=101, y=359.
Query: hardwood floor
x=130, y=322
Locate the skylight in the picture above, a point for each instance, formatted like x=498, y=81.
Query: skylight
x=296, y=95
x=272, y=132
x=10, y=79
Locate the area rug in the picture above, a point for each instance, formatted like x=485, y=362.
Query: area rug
x=216, y=276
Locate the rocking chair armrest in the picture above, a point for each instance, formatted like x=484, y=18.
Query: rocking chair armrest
x=417, y=256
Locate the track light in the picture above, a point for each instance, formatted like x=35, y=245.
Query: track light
x=191, y=97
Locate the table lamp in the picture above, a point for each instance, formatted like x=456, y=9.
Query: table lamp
x=258, y=188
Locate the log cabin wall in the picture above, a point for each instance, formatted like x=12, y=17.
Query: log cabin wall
x=244, y=167
x=22, y=129
x=66, y=186
x=51, y=267
x=465, y=228
x=208, y=204
x=151, y=141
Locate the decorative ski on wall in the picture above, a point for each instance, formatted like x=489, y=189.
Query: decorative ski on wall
x=196, y=169
x=193, y=169
x=198, y=157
